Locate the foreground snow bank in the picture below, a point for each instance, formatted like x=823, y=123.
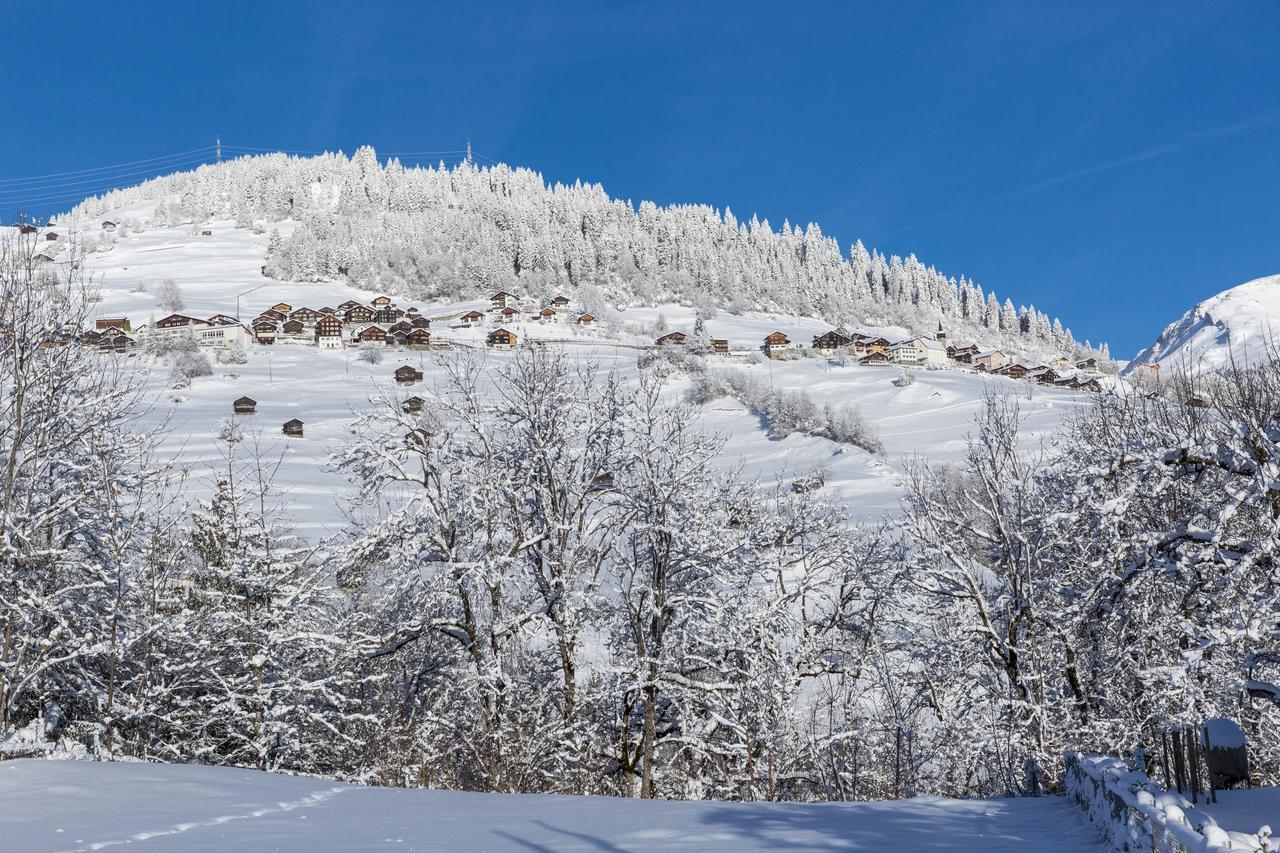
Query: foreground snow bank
x=1134, y=813
x=82, y=806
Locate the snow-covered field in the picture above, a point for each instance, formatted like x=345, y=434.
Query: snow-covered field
x=323, y=388
x=83, y=806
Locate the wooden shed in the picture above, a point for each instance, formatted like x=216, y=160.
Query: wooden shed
x=244, y=406
x=293, y=428
x=408, y=374
x=501, y=338
x=413, y=405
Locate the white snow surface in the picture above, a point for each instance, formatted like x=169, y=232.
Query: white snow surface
x=1240, y=323
x=324, y=388
x=86, y=806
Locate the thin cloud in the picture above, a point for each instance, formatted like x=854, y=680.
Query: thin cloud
x=1186, y=140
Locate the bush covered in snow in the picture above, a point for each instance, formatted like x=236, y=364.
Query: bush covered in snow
x=784, y=410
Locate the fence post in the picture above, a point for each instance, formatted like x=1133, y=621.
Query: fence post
x=1208, y=748
x=1164, y=756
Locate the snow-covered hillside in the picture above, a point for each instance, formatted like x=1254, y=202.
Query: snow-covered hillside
x=325, y=388
x=80, y=806
x=1240, y=323
x=445, y=234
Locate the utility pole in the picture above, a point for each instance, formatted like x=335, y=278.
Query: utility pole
x=217, y=144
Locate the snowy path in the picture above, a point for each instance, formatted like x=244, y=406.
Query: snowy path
x=81, y=806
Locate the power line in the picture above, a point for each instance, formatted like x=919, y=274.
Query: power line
x=95, y=180
x=112, y=167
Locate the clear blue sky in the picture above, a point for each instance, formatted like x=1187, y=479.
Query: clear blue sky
x=1111, y=163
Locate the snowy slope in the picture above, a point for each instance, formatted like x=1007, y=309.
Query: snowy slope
x=1238, y=323
x=324, y=388
x=83, y=806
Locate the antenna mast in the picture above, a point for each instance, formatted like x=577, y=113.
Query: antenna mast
x=468, y=150
x=217, y=144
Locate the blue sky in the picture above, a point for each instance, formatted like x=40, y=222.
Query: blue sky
x=1111, y=163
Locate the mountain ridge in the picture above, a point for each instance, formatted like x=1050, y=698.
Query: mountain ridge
x=1239, y=323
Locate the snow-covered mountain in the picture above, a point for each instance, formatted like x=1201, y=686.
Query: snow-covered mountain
x=1239, y=323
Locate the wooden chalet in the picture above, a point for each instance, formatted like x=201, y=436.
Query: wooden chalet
x=348, y=305
x=282, y=307
x=387, y=314
x=244, y=406
x=178, y=321
x=508, y=314
x=502, y=299
x=372, y=333
x=719, y=346
x=866, y=344
x=420, y=322
x=306, y=315
x=413, y=405
x=293, y=428
x=1089, y=363
x=328, y=326
x=222, y=320
x=117, y=342
x=873, y=358
x=560, y=303
x=672, y=339
x=91, y=338
x=408, y=374
x=963, y=353
x=501, y=338
x=829, y=342
x=546, y=315
x=293, y=327
x=327, y=310
x=121, y=323
x=1046, y=376
x=418, y=339
x=775, y=343
x=206, y=233
x=401, y=326
x=51, y=235
x=586, y=320
x=264, y=332
x=472, y=318
x=1014, y=370
x=272, y=315
x=359, y=314
x=380, y=301
x=400, y=339
x=26, y=228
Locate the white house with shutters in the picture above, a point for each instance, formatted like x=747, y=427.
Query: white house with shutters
x=919, y=352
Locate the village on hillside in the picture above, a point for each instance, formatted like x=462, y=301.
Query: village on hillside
x=383, y=322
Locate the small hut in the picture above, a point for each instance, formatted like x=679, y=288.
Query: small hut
x=293, y=428
x=244, y=406
x=413, y=405
x=407, y=375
